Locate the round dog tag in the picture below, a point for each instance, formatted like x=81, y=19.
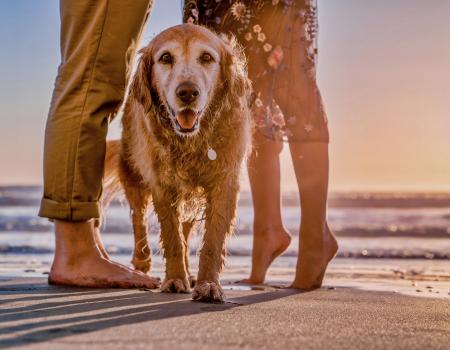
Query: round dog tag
x=212, y=154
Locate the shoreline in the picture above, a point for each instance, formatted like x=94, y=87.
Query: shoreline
x=41, y=245
x=413, y=277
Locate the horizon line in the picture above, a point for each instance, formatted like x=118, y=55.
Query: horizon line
x=337, y=189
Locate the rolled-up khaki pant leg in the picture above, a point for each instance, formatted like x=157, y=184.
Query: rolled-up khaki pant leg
x=98, y=42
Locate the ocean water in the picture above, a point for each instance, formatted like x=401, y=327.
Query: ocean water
x=368, y=225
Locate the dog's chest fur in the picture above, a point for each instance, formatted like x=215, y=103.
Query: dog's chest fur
x=162, y=158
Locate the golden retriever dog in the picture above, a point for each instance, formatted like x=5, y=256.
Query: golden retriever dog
x=186, y=132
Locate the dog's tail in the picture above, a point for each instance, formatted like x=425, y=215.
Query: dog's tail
x=112, y=186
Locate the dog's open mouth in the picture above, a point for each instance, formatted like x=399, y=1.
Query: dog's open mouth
x=186, y=120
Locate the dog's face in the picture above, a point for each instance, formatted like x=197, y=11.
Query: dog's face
x=186, y=74
x=185, y=65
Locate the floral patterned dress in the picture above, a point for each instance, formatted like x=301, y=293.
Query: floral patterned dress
x=280, y=42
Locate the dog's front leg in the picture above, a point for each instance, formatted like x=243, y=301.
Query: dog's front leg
x=187, y=229
x=176, y=281
x=220, y=215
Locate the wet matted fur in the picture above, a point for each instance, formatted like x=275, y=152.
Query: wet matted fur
x=158, y=162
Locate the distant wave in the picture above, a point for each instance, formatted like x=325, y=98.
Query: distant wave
x=366, y=215
x=37, y=225
x=31, y=195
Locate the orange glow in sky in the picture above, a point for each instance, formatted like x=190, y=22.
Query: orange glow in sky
x=384, y=72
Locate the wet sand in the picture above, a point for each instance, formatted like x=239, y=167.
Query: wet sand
x=363, y=305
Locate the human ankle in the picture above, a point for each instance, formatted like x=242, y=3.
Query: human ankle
x=75, y=241
x=266, y=228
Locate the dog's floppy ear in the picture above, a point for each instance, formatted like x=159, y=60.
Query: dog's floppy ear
x=141, y=84
x=234, y=70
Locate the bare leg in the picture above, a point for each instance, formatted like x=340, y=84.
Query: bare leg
x=270, y=238
x=317, y=243
x=79, y=262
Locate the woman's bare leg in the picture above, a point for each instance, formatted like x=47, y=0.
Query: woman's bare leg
x=317, y=243
x=270, y=238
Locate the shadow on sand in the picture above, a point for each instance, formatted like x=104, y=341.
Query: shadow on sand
x=82, y=313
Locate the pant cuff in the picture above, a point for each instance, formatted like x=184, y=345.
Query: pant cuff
x=73, y=211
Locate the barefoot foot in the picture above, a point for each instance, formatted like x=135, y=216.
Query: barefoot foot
x=98, y=272
x=313, y=260
x=267, y=246
x=81, y=261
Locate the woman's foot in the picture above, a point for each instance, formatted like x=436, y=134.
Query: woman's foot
x=79, y=261
x=313, y=259
x=268, y=244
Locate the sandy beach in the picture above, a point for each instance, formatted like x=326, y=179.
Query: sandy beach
x=364, y=304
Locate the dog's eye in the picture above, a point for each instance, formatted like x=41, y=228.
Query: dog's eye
x=206, y=58
x=166, y=58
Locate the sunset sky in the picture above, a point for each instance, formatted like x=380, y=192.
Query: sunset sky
x=384, y=72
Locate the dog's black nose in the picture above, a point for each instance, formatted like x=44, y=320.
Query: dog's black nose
x=187, y=92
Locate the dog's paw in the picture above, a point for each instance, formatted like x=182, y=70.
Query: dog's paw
x=141, y=265
x=192, y=281
x=176, y=285
x=208, y=291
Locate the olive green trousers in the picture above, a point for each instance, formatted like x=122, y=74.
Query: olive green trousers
x=98, y=42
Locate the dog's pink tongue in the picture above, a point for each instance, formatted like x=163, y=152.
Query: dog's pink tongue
x=187, y=118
